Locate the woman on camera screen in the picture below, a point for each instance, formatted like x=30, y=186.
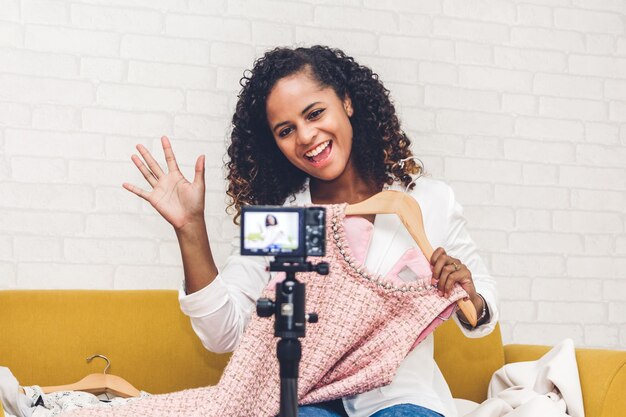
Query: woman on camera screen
x=273, y=236
x=312, y=126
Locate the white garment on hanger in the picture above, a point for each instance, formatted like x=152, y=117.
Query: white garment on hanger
x=34, y=403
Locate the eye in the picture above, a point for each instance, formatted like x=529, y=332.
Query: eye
x=284, y=132
x=315, y=114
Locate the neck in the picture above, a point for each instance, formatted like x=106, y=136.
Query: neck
x=345, y=189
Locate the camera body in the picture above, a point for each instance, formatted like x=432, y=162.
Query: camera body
x=283, y=231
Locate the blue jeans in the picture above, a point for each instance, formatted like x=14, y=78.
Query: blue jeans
x=335, y=409
x=406, y=410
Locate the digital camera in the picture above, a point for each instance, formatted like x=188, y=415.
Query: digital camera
x=283, y=231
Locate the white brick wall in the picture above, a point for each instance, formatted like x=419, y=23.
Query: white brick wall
x=519, y=105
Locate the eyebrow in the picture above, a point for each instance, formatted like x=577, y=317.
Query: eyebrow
x=306, y=109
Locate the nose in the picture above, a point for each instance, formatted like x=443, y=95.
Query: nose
x=306, y=135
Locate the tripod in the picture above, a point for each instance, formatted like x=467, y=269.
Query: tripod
x=289, y=324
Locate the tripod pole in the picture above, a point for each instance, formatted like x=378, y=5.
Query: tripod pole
x=289, y=325
x=289, y=353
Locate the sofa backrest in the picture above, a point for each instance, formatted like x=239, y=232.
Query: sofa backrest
x=46, y=336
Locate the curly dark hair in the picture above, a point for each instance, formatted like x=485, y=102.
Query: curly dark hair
x=259, y=173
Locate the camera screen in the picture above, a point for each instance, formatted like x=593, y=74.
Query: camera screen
x=270, y=232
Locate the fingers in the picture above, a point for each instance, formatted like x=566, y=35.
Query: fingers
x=199, y=176
x=136, y=190
x=453, y=277
x=152, y=163
x=447, y=271
x=445, y=279
x=439, y=260
x=153, y=171
x=169, y=154
x=147, y=174
x=435, y=260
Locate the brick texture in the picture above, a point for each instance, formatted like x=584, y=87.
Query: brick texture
x=519, y=105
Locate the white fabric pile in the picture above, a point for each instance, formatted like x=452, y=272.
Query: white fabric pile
x=548, y=387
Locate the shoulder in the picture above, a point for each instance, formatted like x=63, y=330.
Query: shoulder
x=431, y=193
x=436, y=201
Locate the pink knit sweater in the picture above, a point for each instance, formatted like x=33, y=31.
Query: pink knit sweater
x=367, y=325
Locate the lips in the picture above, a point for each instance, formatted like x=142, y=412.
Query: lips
x=318, y=155
x=317, y=149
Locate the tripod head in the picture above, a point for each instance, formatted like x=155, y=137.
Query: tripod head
x=289, y=307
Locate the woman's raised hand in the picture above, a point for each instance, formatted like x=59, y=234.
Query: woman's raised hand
x=179, y=201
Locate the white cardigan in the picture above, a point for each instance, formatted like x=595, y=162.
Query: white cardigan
x=220, y=312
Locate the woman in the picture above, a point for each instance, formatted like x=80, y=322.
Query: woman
x=273, y=236
x=313, y=126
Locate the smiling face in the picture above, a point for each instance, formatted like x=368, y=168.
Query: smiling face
x=311, y=126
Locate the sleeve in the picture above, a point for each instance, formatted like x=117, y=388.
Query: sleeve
x=220, y=311
x=459, y=244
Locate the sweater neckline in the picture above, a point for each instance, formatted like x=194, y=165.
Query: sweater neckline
x=338, y=239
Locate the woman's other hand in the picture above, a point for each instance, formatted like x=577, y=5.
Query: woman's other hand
x=448, y=271
x=179, y=201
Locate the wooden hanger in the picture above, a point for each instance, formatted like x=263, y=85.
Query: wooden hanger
x=98, y=384
x=410, y=213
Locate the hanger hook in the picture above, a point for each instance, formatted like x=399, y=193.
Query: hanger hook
x=103, y=357
x=401, y=163
x=412, y=157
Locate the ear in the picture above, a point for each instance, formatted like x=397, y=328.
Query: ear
x=347, y=105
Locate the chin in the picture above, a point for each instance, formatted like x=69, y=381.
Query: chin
x=325, y=176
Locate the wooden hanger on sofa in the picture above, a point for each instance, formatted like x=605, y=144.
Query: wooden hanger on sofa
x=98, y=384
x=410, y=213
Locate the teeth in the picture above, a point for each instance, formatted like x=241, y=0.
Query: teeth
x=317, y=150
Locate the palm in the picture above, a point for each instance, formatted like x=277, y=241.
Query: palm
x=176, y=199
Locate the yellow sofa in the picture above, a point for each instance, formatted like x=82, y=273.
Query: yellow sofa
x=46, y=336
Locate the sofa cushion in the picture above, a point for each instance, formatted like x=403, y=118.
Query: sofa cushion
x=467, y=364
